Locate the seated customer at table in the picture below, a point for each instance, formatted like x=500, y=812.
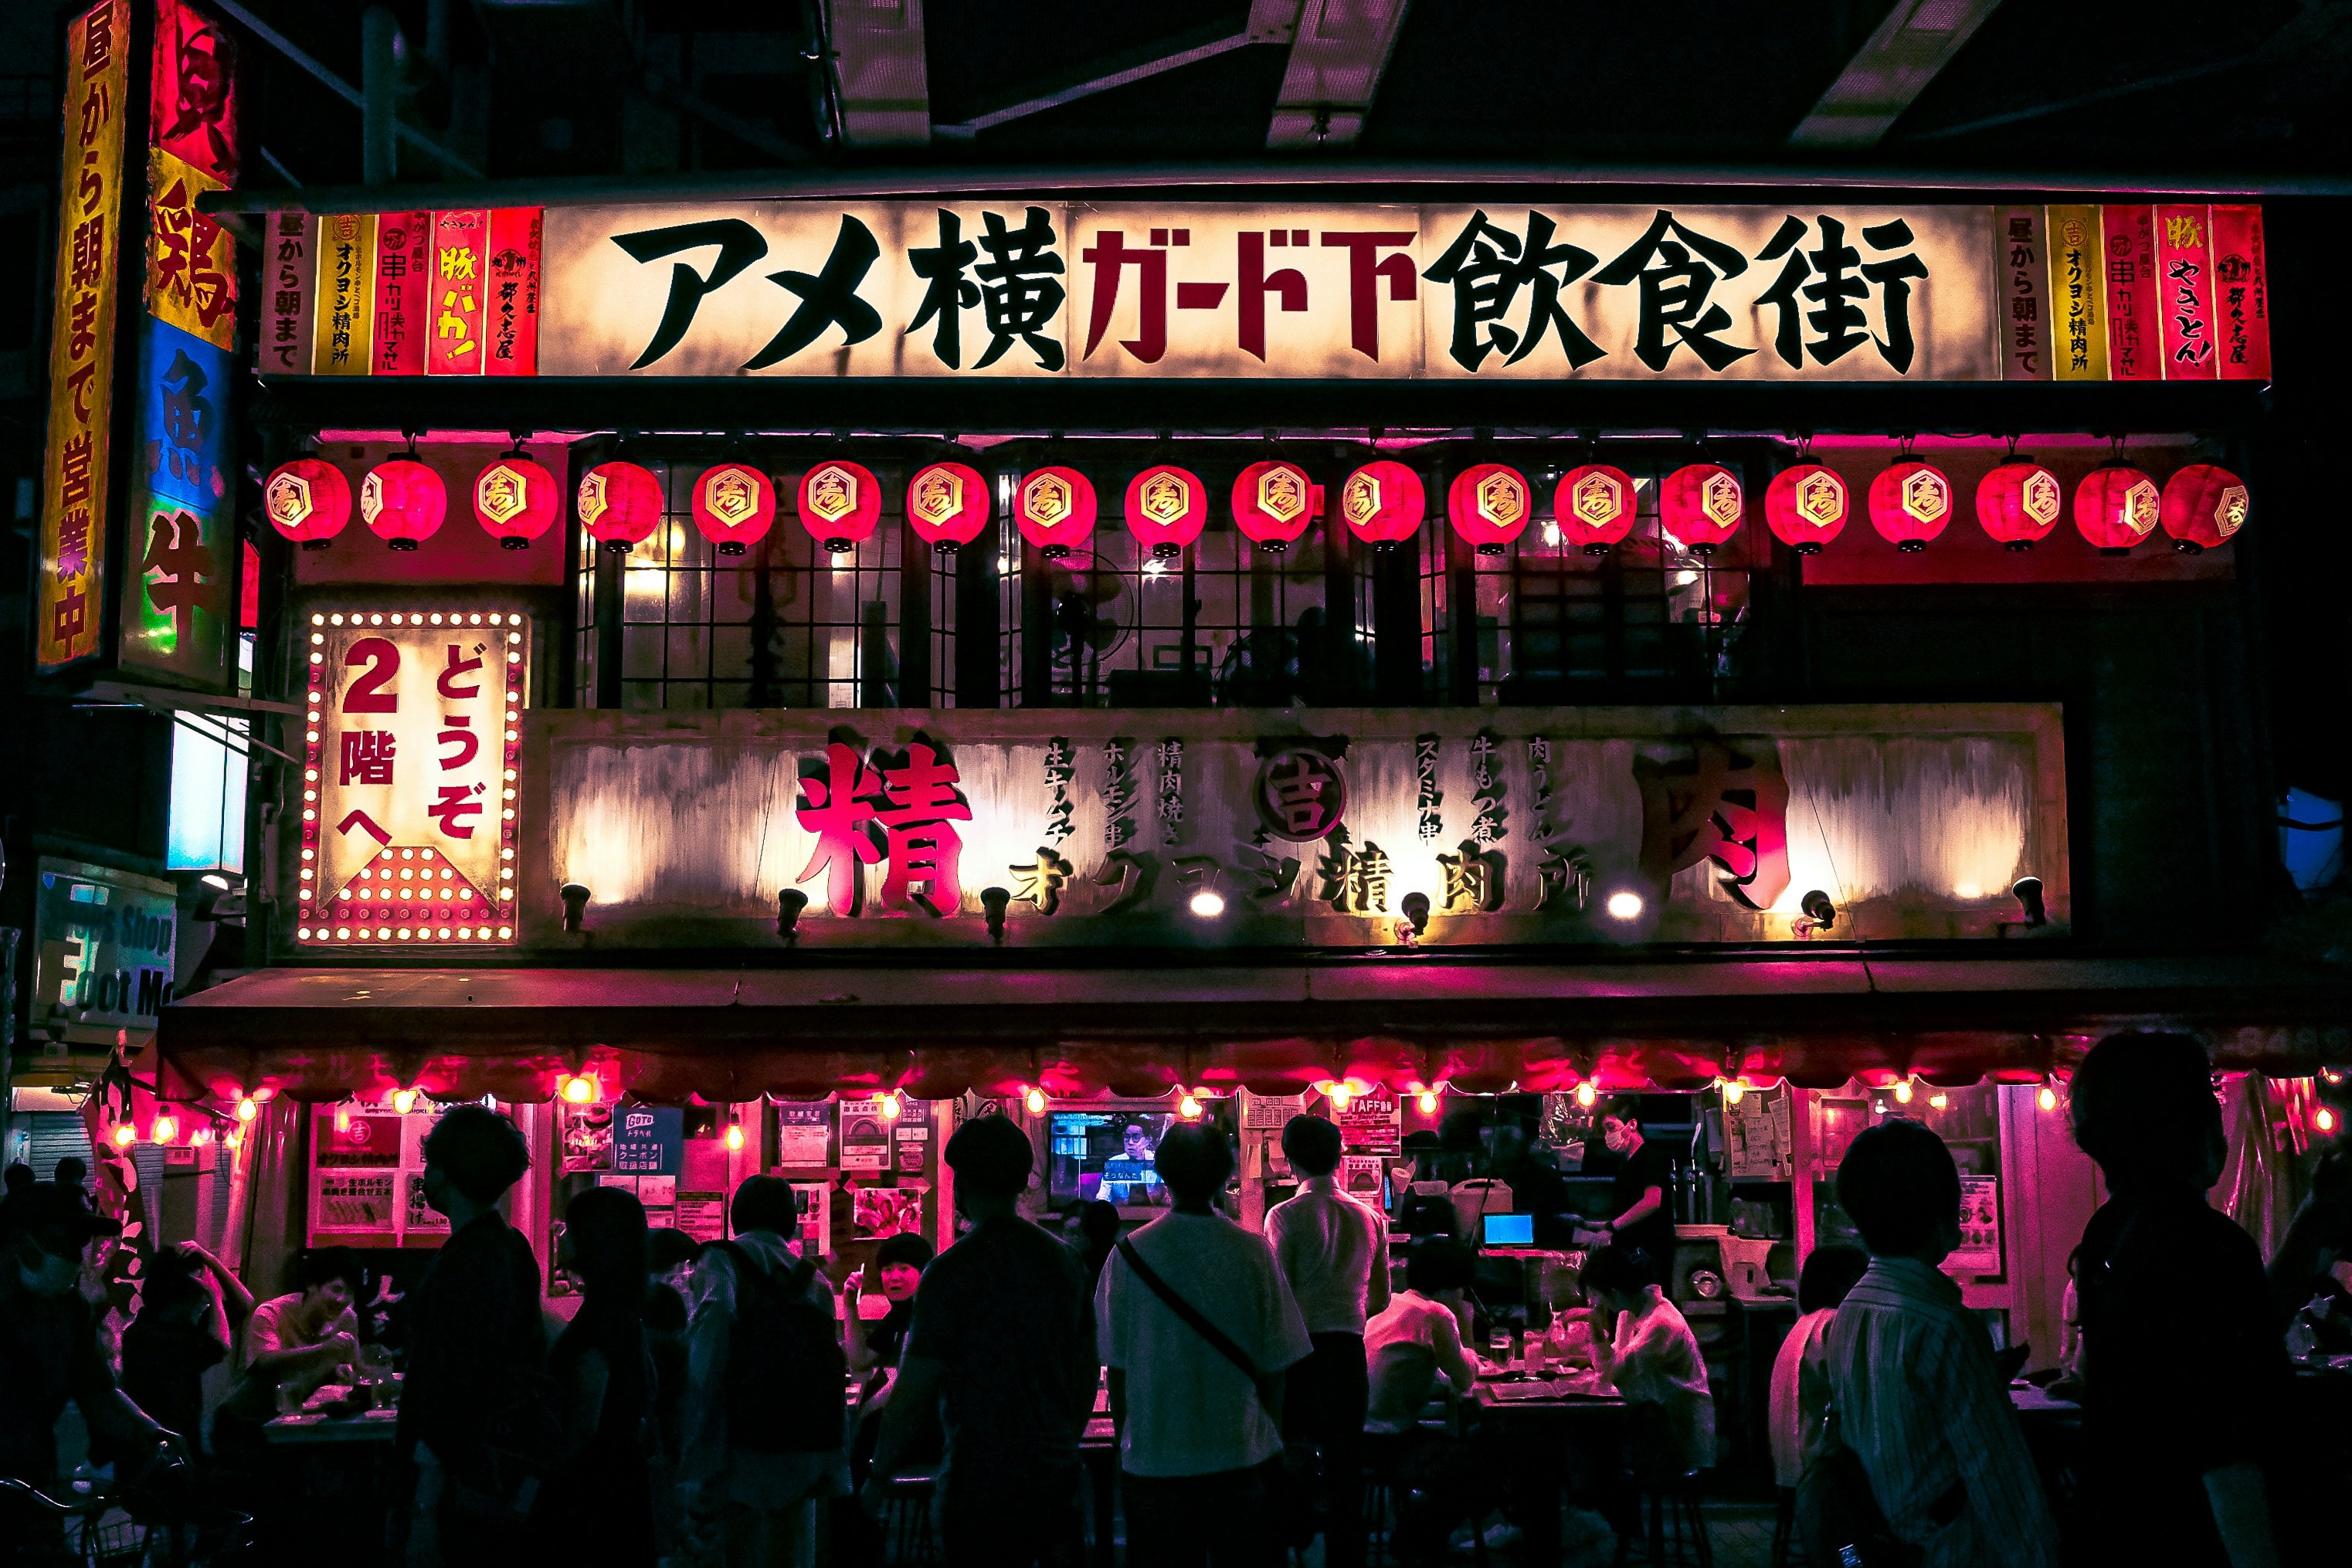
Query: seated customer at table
x=1800, y=1371
x=294, y=1340
x=1651, y=1358
x=1418, y=1336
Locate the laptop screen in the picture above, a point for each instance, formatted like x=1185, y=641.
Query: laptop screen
x=1510, y=1229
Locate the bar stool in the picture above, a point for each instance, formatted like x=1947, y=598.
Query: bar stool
x=906, y=1518
x=1667, y=1513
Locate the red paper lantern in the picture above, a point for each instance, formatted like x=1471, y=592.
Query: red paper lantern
x=1910, y=502
x=949, y=504
x=1805, y=507
x=514, y=499
x=1700, y=506
x=1166, y=505
x=620, y=505
x=307, y=500
x=734, y=506
x=2115, y=507
x=1381, y=503
x=2019, y=503
x=2203, y=506
x=839, y=502
x=1595, y=507
x=403, y=501
x=1055, y=511
x=1488, y=504
x=1274, y=502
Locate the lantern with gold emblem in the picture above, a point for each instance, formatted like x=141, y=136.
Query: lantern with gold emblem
x=514, y=499
x=734, y=506
x=307, y=500
x=948, y=504
x=1274, y=503
x=1054, y=508
x=1381, y=503
x=2115, y=507
x=1166, y=505
x=1595, y=507
x=1805, y=507
x=1910, y=502
x=403, y=501
x=1489, y=504
x=1701, y=506
x=2019, y=503
x=839, y=503
x=620, y=505
x=2203, y=506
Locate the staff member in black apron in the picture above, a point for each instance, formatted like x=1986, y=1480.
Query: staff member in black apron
x=1637, y=1194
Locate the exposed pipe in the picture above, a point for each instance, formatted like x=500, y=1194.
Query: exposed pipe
x=380, y=97
x=338, y=87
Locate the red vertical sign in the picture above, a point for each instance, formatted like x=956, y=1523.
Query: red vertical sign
x=2241, y=295
x=456, y=289
x=511, y=328
x=2184, y=266
x=2134, y=350
x=404, y=247
x=2023, y=327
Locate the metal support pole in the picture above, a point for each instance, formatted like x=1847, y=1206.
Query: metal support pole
x=379, y=97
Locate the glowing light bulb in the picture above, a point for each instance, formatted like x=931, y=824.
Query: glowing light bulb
x=1341, y=1095
x=2325, y=1120
x=580, y=1090
x=734, y=1137
x=403, y=1101
x=1903, y=1092
x=2047, y=1099
x=1586, y=1094
x=202, y=1135
x=264, y=1093
x=235, y=1140
x=164, y=1130
x=248, y=1108
x=343, y=1117
x=125, y=1135
x=889, y=1107
x=1035, y=1100
x=1625, y=906
x=1188, y=1108
x=1937, y=1101
x=1208, y=903
x=1429, y=1103
x=1733, y=1091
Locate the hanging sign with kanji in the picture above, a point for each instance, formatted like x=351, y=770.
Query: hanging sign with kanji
x=410, y=796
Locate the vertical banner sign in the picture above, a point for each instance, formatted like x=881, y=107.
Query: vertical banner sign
x=2241, y=295
x=290, y=275
x=2134, y=345
x=2079, y=345
x=346, y=294
x=81, y=352
x=512, y=305
x=403, y=247
x=2184, y=263
x=2022, y=323
x=459, y=240
x=179, y=580
x=409, y=783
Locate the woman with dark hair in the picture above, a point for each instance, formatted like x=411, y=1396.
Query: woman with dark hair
x=1800, y=1395
x=597, y=1505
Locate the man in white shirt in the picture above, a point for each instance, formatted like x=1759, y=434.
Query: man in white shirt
x=1643, y=1348
x=1417, y=1337
x=1333, y=1251
x=1194, y=1426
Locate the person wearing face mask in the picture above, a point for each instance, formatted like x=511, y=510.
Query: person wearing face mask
x=50, y=1351
x=1640, y=1221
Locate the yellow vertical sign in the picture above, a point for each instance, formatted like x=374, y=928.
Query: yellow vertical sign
x=81, y=352
x=346, y=319
x=2078, y=323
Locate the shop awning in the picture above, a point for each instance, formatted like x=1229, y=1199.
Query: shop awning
x=734, y=1033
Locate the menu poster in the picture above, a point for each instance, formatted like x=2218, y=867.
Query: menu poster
x=657, y=1192
x=877, y=1212
x=1361, y=1176
x=912, y=1134
x=353, y=1201
x=646, y=1140
x=423, y=1216
x=703, y=1215
x=586, y=1131
x=816, y=1215
x=1268, y=1112
x=356, y=1139
x=804, y=1132
x=865, y=1136
x=1979, y=1249
x=1369, y=1122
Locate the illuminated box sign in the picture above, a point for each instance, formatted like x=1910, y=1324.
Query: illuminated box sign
x=1821, y=292
x=409, y=793
x=106, y=947
x=1291, y=827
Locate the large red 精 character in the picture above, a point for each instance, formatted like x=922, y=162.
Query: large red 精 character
x=839, y=502
x=1489, y=504
x=403, y=501
x=949, y=505
x=2203, y=506
x=1274, y=502
x=1166, y=505
x=836, y=807
x=1595, y=507
x=1381, y=503
x=620, y=505
x=734, y=506
x=2019, y=503
x=1910, y=502
x=1805, y=507
x=307, y=500
x=514, y=499
x=1054, y=508
x=1700, y=506
x=2115, y=507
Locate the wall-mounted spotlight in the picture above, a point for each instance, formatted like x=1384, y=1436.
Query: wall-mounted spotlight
x=2027, y=891
x=1818, y=910
x=1415, y=924
x=789, y=905
x=993, y=902
x=1624, y=906
x=575, y=904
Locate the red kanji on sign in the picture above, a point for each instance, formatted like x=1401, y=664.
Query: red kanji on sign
x=1301, y=795
x=923, y=847
x=367, y=756
x=836, y=808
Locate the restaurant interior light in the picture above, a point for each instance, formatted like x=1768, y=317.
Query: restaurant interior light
x=1189, y=1108
x=403, y=1101
x=164, y=1128
x=1733, y=1091
x=2047, y=1099
x=734, y=1137
x=1625, y=906
x=1035, y=1100
x=1586, y=1094
x=1429, y=1103
x=575, y=904
x=1903, y=1092
x=248, y=1108
x=2324, y=1119
x=889, y=1106
x=125, y=1135
x=581, y=1090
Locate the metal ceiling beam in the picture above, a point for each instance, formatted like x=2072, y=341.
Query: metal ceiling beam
x=1338, y=50
x=1908, y=50
x=343, y=90
x=884, y=74
x=1119, y=70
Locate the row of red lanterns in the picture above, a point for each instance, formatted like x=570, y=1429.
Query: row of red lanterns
x=1700, y=506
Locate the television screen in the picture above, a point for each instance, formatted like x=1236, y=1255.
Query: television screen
x=1105, y=1155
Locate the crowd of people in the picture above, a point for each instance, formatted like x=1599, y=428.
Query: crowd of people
x=693, y=1408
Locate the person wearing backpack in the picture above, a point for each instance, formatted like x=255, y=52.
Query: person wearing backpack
x=1198, y=1328
x=765, y=1423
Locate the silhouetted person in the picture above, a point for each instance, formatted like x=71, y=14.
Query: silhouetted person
x=671, y=1254
x=1911, y=1370
x=1003, y=1349
x=73, y=1177
x=2174, y=1458
x=1098, y=1226
x=1800, y=1371
x=182, y=1332
x=596, y=1504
